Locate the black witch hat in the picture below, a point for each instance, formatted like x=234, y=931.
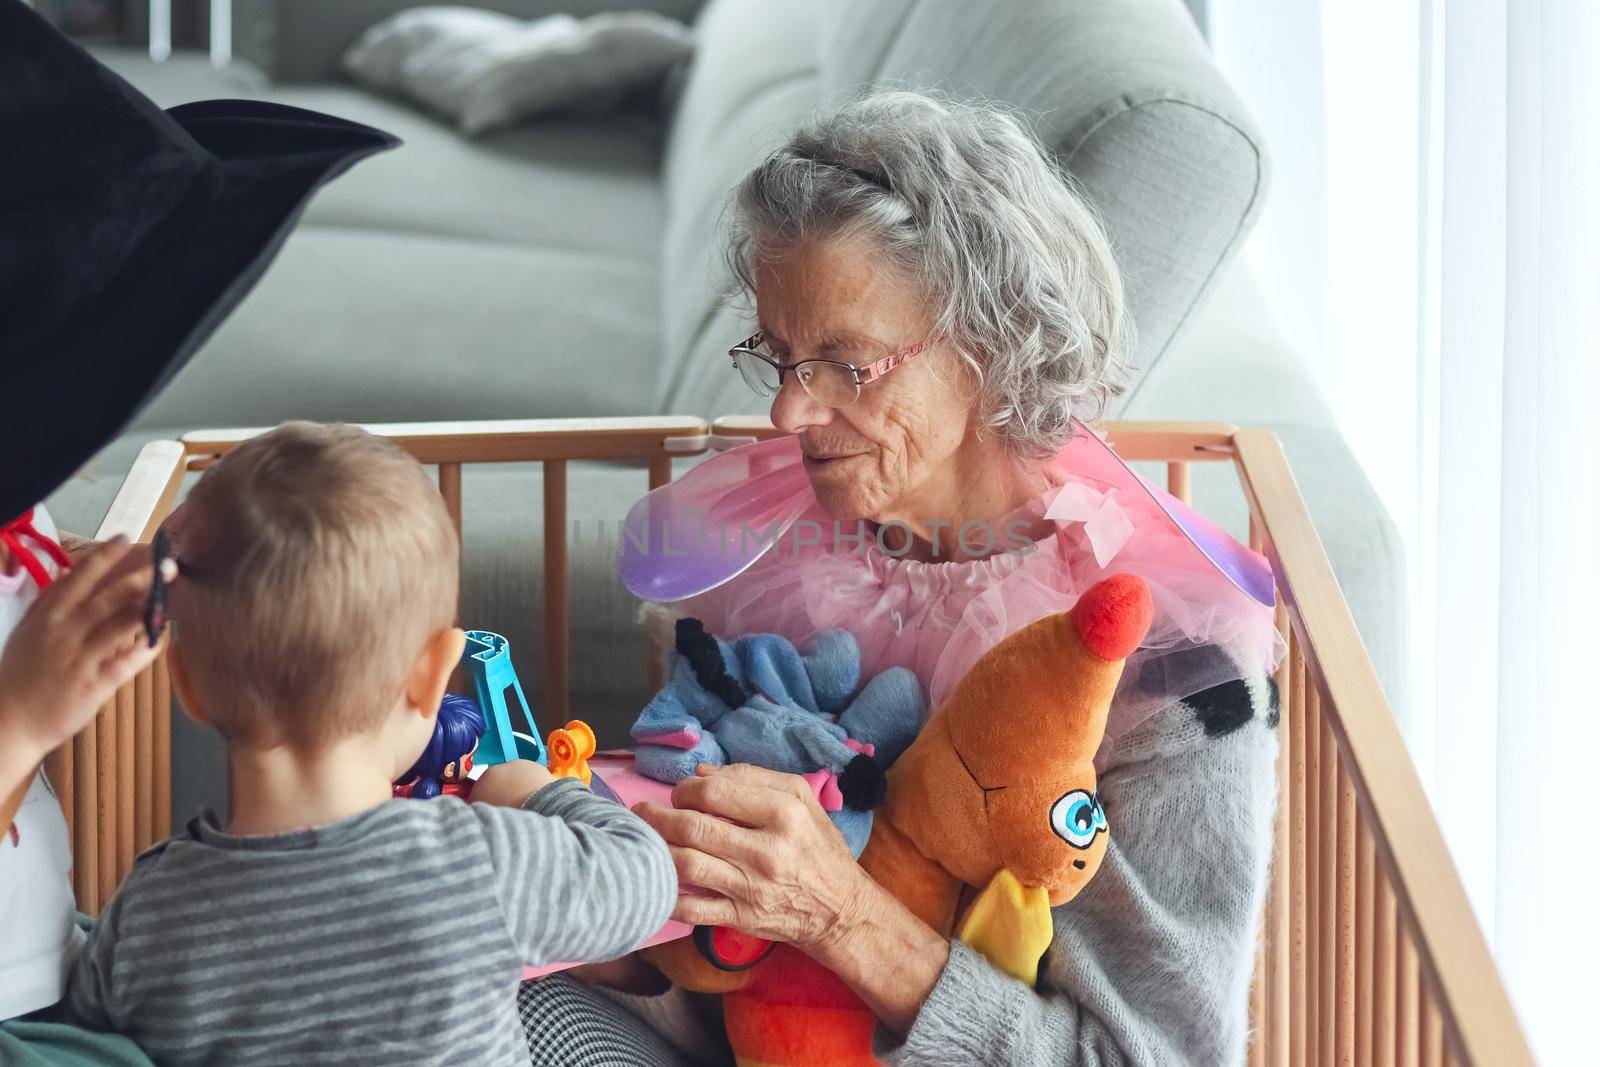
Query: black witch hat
x=127, y=234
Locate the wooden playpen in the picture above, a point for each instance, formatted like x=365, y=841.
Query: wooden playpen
x=1369, y=951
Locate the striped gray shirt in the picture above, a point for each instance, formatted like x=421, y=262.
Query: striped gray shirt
x=394, y=936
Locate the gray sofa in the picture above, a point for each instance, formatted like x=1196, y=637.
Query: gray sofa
x=572, y=267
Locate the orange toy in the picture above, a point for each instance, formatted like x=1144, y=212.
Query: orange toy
x=569, y=750
x=997, y=792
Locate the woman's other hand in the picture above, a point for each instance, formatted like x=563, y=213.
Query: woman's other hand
x=761, y=843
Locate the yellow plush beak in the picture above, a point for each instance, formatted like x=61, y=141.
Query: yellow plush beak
x=1009, y=924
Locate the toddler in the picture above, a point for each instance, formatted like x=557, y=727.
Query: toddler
x=324, y=921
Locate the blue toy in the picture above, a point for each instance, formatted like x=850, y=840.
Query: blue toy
x=488, y=659
x=759, y=700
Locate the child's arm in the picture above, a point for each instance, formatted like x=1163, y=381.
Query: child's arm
x=579, y=878
x=87, y=1002
x=78, y=642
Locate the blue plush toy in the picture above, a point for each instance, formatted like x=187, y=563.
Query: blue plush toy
x=759, y=700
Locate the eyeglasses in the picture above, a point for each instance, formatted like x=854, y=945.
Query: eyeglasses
x=827, y=381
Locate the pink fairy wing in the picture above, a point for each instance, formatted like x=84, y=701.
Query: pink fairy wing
x=1086, y=455
x=692, y=535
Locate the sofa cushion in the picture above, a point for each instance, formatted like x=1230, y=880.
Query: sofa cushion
x=1234, y=366
x=303, y=40
x=754, y=77
x=569, y=183
x=367, y=325
x=582, y=184
x=1122, y=90
x=488, y=71
x=514, y=276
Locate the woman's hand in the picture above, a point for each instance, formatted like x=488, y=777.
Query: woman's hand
x=759, y=840
x=780, y=870
x=79, y=641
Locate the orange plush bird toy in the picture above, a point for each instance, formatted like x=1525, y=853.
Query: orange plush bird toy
x=991, y=819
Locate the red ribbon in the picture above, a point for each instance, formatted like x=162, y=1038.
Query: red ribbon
x=11, y=535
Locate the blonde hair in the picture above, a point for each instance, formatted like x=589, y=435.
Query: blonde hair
x=317, y=562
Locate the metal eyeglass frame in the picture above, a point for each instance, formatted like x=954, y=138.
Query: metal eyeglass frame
x=862, y=375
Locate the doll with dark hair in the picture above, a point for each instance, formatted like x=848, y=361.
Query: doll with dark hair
x=444, y=764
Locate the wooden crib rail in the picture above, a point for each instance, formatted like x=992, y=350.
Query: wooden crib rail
x=652, y=440
x=1369, y=951
x=114, y=779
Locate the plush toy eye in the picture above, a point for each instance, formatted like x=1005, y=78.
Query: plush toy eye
x=1073, y=819
x=1100, y=816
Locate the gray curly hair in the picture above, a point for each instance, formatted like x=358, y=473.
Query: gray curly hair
x=963, y=200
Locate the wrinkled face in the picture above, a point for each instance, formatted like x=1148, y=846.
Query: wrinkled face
x=889, y=454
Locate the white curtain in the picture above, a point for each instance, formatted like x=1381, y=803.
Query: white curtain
x=1453, y=184
x=1511, y=365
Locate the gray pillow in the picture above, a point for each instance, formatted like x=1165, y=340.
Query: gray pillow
x=485, y=71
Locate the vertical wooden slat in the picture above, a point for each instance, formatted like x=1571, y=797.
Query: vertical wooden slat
x=1431, y=900
x=85, y=827
x=1278, y=889
x=450, y=489
x=1432, y=1032
x=125, y=772
x=1408, y=1034
x=660, y=471
x=1385, y=958
x=1300, y=1000
x=1261, y=1034
x=1178, y=480
x=555, y=591
x=58, y=769
x=143, y=760
x=1366, y=917
x=1328, y=874
x=106, y=799
x=161, y=749
x=1344, y=1052
x=1313, y=912
x=655, y=667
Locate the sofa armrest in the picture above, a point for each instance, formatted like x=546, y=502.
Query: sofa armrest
x=1235, y=366
x=303, y=40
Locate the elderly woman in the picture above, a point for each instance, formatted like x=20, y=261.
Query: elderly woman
x=935, y=308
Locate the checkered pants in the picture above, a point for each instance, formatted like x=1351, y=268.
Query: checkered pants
x=570, y=1025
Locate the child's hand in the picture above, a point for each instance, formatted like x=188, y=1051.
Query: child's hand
x=509, y=784
x=80, y=641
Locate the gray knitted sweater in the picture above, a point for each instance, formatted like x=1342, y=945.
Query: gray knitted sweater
x=1151, y=964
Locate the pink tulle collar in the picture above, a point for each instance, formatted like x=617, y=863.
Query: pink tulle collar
x=692, y=535
x=743, y=536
